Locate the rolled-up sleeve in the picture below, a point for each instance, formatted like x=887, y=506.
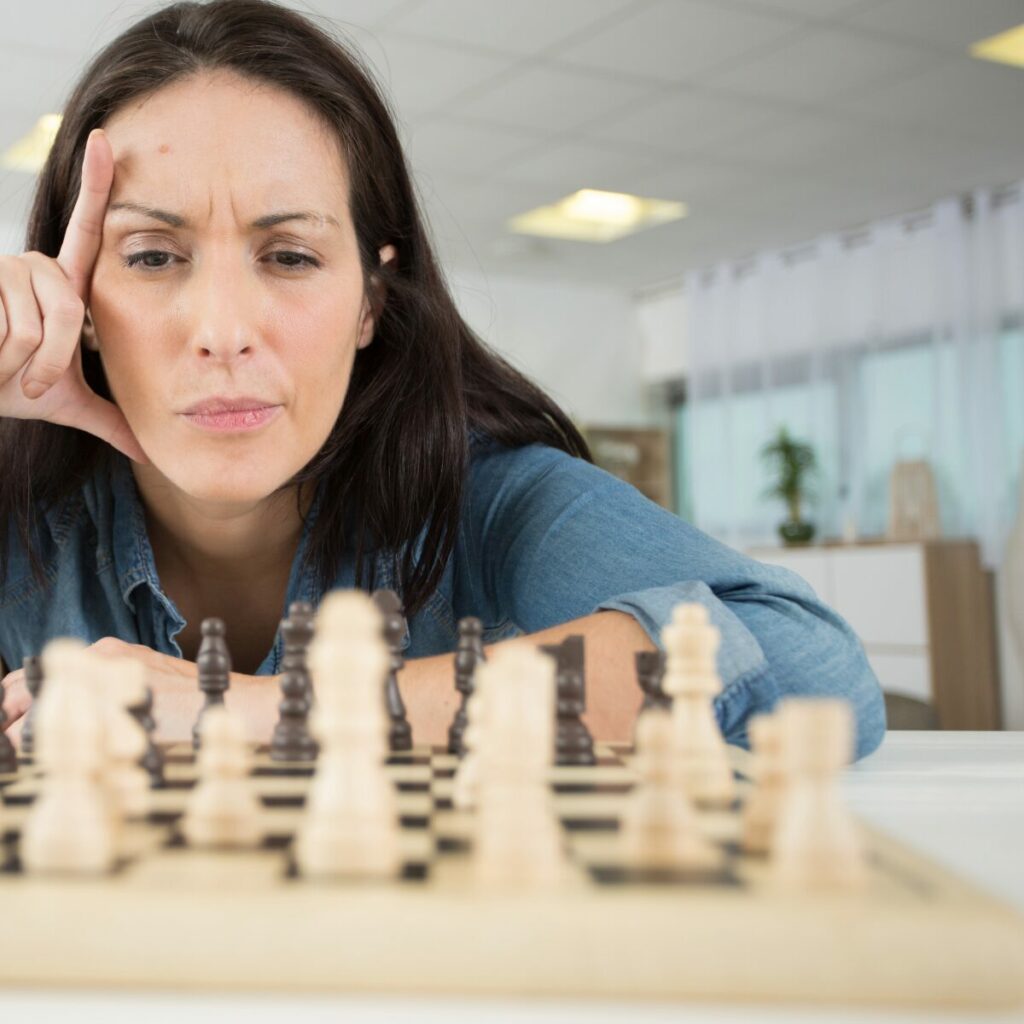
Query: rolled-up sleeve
x=554, y=538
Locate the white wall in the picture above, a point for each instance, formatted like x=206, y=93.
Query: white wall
x=662, y=323
x=580, y=343
x=12, y=237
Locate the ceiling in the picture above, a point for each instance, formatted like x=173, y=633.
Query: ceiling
x=773, y=119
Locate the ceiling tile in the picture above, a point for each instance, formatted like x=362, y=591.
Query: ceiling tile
x=568, y=166
x=30, y=83
x=962, y=95
x=952, y=24
x=813, y=10
x=792, y=145
x=698, y=181
x=688, y=121
x=549, y=100
x=675, y=40
x=423, y=75
x=465, y=146
x=72, y=27
x=524, y=27
x=821, y=65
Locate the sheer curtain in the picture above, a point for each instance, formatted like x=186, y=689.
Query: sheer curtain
x=901, y=340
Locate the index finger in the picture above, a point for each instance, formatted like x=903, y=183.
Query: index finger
x=82, y=239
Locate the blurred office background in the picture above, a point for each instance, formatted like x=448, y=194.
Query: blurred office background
x=839, y=254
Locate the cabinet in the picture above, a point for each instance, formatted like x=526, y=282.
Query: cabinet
x=925, y=614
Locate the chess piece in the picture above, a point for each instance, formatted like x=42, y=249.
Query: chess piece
x=153, y=758
x=350, y=826
x=469, y=653
x=222, y=810
x=467, y=773
x=573, y=742
x=214, y=667
x=291, y=740
x=702, y=761
x=761, y=810
x=8, y=753
x=390, y=605
x=69, y=828
x=517, y=839
x=816, y=843
x=650, y=671
x=33, y=667
x=122, y=682
x=659, y=828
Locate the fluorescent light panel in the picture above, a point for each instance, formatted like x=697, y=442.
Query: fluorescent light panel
x=590, y=215
x=1005, y=48
x=29, y=153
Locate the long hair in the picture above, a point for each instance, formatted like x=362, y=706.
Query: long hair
x=393, y=465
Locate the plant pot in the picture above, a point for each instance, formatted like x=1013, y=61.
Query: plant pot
x=795, y=532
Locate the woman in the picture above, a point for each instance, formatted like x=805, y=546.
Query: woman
x=259, y=388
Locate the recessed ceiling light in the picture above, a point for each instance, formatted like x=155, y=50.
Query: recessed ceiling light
x=1005, y=48
x=590, y=215
x=29, y=153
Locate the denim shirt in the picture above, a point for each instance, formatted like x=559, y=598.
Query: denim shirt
x=544, y=538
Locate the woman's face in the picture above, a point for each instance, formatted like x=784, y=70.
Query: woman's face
x=223, y=305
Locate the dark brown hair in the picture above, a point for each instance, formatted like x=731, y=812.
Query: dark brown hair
x=395, y=460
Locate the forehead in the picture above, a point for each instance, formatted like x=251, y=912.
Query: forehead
x=217, y=132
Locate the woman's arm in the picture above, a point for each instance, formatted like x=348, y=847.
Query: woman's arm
x=551, y=539
x=613, y=696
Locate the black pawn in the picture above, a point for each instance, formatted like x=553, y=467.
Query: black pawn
x=8, y=753
x=573, y=742
x=33, y=666
x=291, y=740
x=214, y=664
x=153, y=759
x=650, y=671
x=390, y=605
x=468, y=655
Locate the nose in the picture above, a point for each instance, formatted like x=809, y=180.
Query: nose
x=222, y=310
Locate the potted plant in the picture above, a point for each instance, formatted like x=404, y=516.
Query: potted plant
x=791, y=463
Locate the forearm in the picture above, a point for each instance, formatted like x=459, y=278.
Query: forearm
x=610, y=640
x=254, y=698
x=428, y=686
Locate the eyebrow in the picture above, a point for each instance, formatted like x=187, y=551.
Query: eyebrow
x=268, y=220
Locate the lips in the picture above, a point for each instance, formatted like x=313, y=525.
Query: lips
x=223, y=403
x=231, y=414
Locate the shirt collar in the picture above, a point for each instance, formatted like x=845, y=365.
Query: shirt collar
x=135, y=563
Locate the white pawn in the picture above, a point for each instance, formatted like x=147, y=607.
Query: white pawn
x=70, y=827
x=816, y=844
x=467, y=773
x=761, y=811
x=691, y=679
x=223, y=809
x=122, y=684
x=350, y=827
x=517, y=839
x=659, y=829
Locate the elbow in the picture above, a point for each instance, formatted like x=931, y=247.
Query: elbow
x=868, y=708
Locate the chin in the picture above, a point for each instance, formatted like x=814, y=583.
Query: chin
x=233, y=477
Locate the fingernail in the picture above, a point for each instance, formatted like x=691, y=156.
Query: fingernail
x=34, y=388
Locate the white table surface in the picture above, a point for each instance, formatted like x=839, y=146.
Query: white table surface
x=958, y=797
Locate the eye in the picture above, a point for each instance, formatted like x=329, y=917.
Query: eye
x=134, y=258
x=286, y=259
x=295, y=259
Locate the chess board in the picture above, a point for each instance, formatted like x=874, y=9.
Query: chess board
x=179, y=918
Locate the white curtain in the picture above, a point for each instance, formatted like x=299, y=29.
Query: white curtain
x=902, y=340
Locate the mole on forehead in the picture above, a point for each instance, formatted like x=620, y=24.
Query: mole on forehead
x=165, y=148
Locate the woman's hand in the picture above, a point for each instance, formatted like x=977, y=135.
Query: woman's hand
x=42, y=310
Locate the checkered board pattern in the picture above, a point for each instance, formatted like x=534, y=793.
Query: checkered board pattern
x=173, y=916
